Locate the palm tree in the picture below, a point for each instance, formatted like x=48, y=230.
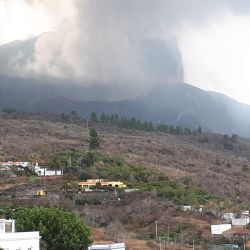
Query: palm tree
x=35, y=158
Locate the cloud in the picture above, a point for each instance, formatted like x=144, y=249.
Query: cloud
x=217, y=57
x=118, y=43
x=141, y=43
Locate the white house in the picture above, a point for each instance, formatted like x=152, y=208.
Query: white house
x=245, y=213
x=219, y=229
x=15, y=163
x=241, y=222
x=43, y=171
x=11, y=240
x=228, y=216
x=186, y=208
x=117, y=246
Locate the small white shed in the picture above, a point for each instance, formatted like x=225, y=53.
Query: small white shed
x=186, y=208
x=219, y=229
x=117, y=246
x=241, y=222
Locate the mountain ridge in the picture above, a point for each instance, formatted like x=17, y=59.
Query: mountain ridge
x=175, y=102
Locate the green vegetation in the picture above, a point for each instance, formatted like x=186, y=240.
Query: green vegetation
x=89, y=201
x=94, y=139
x=204, y=140
x=149, y=180
x=225, y=204
x=76, y=163
x=133, y=123
x=175, y=233
x=245, y=168
x=9, y=113
x=230, y=142
x=22, y=171
x=83, y=166
x=176, y=192
x=59, y=229
x=72, y=117
x=93, y=117
x=70, y=185
x=9, y=110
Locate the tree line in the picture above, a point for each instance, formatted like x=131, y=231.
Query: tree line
x=133, y=123
x=230, y=142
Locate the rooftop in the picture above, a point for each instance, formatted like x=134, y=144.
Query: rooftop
x=238, y=231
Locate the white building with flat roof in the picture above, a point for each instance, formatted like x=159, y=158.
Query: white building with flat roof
x=241, y=222
x=11, y=240
x=24, y=164
x=219, y=229
x=44, y=171
x=117, y=246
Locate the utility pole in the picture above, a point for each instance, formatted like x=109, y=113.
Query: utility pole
x=156, y=229
x=168, y=233
x=181, y=234
x=193, y=244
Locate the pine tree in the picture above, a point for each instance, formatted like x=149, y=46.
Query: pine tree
x=103, y=117
x=94, y=139
x=93, y=117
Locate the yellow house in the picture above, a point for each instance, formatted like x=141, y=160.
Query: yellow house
x=92, y=182
x=41, y=192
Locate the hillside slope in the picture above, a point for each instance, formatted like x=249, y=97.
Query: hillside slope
x=184, y=158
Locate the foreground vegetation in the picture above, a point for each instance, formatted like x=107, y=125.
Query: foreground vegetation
x=59, y=229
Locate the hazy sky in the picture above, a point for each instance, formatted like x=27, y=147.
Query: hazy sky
x=213, y=37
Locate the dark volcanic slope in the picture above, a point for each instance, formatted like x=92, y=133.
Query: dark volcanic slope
x=177, y=104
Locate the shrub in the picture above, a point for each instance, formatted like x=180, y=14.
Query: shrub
x=59, y=229
x=245, y=168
